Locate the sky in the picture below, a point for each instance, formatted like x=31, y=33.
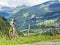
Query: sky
x=14, y=3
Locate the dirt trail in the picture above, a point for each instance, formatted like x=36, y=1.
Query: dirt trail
x=44, y=43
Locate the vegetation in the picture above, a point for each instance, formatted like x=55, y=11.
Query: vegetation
x=4, y=26
x=27, y=39
x=40, y=27
x=34, y=35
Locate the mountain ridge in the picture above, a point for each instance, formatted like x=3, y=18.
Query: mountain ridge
x=36, y=14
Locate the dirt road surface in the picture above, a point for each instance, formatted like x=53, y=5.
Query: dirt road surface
x=44, y=43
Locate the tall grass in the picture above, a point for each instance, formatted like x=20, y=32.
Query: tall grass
x=26, y=39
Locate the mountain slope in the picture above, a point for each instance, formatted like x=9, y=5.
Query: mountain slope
x=5, y=10
x=37, y=15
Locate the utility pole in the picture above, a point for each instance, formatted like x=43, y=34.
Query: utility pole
x=28, y=29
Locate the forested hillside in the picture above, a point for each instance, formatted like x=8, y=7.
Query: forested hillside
x=4, y=26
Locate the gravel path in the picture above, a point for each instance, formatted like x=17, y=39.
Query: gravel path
x=44, y=43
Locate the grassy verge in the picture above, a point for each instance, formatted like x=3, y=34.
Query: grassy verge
x=27, y=39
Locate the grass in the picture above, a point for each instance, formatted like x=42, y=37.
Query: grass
x=27, y=39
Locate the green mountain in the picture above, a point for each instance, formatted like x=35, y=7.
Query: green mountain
x=4, y=26
x=45, y=14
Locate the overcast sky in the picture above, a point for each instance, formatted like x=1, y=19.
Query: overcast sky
x=14, y=3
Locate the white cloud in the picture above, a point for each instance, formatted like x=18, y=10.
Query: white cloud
x=6, y=4
x=34, y=2
x=27, y=2
x=3, y=3
x=14, y=3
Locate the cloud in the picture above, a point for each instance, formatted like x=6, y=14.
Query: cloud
x=34, y=2
x=14, y=3
x=7, y=4
x=3, y=3
x=27, y=2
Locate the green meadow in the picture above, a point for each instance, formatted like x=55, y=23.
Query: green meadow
x=4, y=40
